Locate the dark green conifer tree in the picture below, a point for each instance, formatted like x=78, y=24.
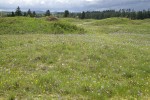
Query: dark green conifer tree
x=12, y=14
x=66, y=13
x=29, y=13
x=47, y=13
x=18, y=12
x=83, y=15
x=34, y=14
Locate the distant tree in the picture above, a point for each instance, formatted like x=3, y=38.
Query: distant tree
x=18, y=12
x=140, y=15
x=34, y=14
x=12, y=14
x=29, y=13
x=133, y=14
x=83, y=15
x=148, y=12
x=47, y=13
x=25, y=14
x=145, y=14
x=66, y=13
x=123, y=13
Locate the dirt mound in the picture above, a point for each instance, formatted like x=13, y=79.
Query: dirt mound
x=52, y=18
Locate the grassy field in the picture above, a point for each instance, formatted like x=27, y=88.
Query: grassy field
x=111, y=60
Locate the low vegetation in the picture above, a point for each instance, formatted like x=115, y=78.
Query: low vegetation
x=101, y=64
x=114, y=25
x=25, y=25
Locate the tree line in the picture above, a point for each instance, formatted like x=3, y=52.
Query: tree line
x=128, y=13
x=29, y=13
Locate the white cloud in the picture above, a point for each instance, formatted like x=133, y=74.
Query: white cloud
x=74, y=4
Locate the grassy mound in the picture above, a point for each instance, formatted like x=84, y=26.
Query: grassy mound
x=118, y=25
x=22, y=25
x=113, y=21
x=51, y=18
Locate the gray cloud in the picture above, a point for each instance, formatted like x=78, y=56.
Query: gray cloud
x=74, y=5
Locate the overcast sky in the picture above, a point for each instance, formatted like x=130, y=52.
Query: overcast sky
x=74, y=5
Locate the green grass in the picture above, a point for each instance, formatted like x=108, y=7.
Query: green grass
x=25, y=25
x=77, y=66
x=114, y=25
